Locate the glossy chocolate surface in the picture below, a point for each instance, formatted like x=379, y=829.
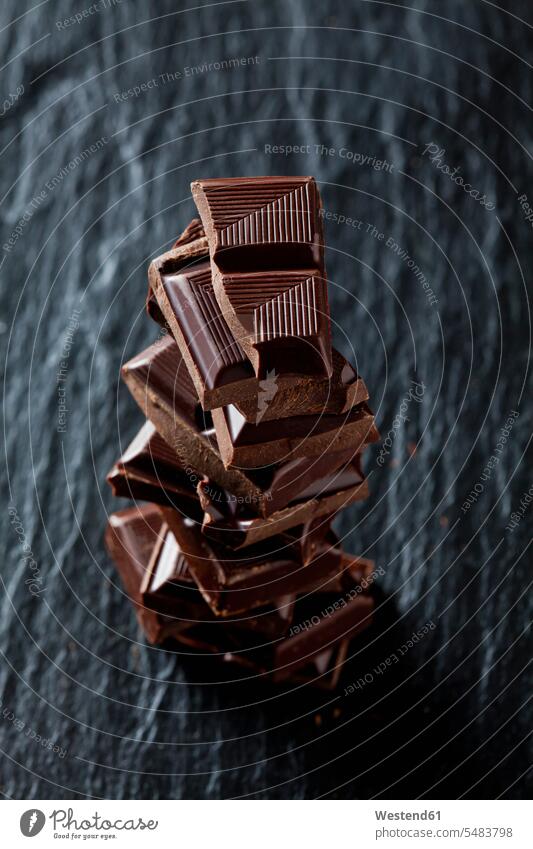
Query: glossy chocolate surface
x=266, y=246
x=161, y=385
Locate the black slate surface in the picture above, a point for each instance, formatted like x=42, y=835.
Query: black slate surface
x=95, y=178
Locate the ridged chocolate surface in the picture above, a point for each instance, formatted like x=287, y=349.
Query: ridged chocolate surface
x=296, y=311
x=261, y=210
x=192, y=232
x=209, y=340
x=266, y=247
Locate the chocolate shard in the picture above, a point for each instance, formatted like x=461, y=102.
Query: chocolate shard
x=266, y=246
x=168, y=588
x=181, y=297
x=230, y=522
x=281, y=319
x=160, y=384
x=148, y=471
x=130, y=537
x=234, y=582
x=322, y=623
x=269, y=220
x=193, y=231
x=165, y=597
x=249, y=445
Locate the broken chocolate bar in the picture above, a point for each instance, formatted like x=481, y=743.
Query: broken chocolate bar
x=160, y=383
x=155, y=576
x=322, y=622
x=181, y=297
x=148, y=471
x=230, y=522
x=246, y=445
x=267, y=259
x=233, y=582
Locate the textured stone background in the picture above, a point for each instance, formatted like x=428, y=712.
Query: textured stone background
x=381, y=81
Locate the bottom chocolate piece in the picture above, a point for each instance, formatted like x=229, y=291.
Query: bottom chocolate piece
x=157, y=580
x=301, y=639
x=321, y=623
x=234, y=582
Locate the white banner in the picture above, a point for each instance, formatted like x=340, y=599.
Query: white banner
x=267, y=824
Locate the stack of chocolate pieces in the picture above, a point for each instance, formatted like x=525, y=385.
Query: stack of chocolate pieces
x=253, y=439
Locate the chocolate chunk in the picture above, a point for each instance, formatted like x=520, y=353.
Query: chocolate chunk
x=230, y=522
x=169, y=588
x=181, y=297
x=130, y=537
x=148, y=471
x=193, y=231
x=250, y=445
x=255, y=223
x=232, y=582
x=322, y=622
x=160, y=383
x=158, y=583
x=266, y=246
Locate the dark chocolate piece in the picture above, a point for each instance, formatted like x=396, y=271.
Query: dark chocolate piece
x=181, y=297
x=155, y=576
x=130, y=537
x=169, y=588
x=159, y=382
x=148, y=471
x=322, y=671
x=248, y=445
x=232, y=582
x=228, y=521
x=266, y=246
x=322, y=622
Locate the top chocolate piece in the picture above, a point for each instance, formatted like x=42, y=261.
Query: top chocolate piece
x=261, y=223
x=267, y=253
x=181, y=297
